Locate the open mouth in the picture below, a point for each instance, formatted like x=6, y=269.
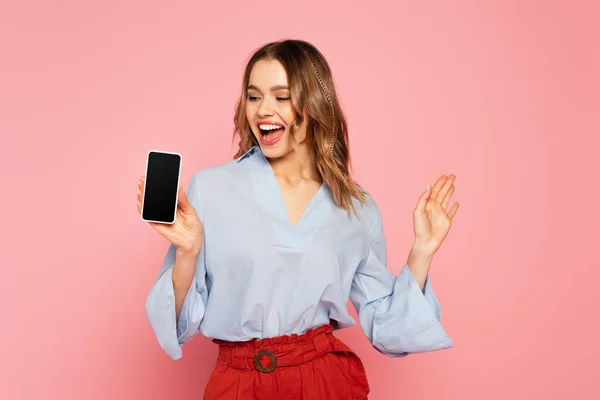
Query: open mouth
x=270, y=131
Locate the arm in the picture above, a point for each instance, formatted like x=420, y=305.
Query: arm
x=396, y=315
x=419, y=262
x=176, y=303
x=182, y=276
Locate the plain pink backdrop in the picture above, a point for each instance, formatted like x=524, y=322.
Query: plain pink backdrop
x=504, y=94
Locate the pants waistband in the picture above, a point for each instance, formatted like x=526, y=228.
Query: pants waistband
x=267, y=354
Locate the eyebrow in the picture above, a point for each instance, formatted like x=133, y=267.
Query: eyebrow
x=273, y=88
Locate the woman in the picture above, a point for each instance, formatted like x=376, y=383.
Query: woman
x=268, y=248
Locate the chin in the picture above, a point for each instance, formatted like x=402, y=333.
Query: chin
x=276, y=151
x=279, y=149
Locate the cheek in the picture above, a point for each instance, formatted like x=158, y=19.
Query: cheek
x=249, y=118
x=290, y=114
x=301, y=132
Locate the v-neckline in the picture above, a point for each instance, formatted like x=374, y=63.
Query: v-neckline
x=281, y=209
x=306, y=210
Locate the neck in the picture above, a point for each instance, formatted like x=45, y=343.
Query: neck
x=297, y=165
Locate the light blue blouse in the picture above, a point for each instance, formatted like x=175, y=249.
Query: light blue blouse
x=259, y=276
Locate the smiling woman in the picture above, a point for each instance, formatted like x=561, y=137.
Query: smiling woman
x=274, y=252
x=276, y=100
x=289, y=85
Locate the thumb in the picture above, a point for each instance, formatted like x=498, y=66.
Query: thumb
x=423, y=199
x=183, y=201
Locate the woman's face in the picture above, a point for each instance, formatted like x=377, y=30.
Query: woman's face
x=269, y=109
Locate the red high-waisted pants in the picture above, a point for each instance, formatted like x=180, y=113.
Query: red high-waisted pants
x=313, y=366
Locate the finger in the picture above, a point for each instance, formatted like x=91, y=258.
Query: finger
x=437, y=186
x=140, y=187
x=139, y=206
x=453, y=211
x=447, y=198
x=157, y=227
x=183, y=201
x=445, y=187
x=422, y=203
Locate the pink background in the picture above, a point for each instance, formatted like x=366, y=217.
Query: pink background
x=502, y=94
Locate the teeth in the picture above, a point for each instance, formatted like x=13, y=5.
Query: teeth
x=268, y=127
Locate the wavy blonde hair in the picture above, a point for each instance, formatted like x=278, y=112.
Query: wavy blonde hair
x=311, y=88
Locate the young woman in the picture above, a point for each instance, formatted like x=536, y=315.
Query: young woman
x=268, y=248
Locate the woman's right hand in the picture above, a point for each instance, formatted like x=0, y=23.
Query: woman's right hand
x=186, y=232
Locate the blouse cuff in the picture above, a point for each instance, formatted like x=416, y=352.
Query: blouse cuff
x=160, y=309
x=188, y=309
x=427, y=291
x=412, y=322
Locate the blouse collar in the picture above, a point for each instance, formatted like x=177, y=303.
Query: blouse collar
x=253, y=150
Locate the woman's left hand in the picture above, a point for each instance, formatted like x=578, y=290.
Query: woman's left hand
x=431, y=221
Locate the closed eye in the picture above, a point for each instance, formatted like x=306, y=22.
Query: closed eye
x=254, y=98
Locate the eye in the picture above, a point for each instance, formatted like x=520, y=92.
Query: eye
x=283, y=98
x=252, y=98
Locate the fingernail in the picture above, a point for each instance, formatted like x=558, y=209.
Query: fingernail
x=427, y=187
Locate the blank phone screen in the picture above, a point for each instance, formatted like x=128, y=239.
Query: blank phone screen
x=162, y=183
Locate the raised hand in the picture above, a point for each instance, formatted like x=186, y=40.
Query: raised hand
x=431, y=220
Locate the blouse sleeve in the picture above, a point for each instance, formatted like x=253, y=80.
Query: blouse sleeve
x=160, y=304
x=395, y=315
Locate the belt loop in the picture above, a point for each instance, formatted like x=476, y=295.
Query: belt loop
x=322, y=344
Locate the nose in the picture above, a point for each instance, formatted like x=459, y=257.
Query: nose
x=265, y=108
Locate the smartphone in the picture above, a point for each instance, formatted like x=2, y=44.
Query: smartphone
x=161, y=187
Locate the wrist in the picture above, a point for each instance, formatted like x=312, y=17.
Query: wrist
x=187, y=257
x=419, y=262
x=187, y=253
x=423, y=249
x=184, y=269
